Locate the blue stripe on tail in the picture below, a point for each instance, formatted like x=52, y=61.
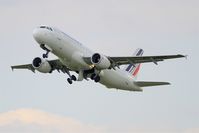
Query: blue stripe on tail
x=131, y=67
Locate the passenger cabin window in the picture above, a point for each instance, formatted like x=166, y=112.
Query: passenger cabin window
x=45, y=27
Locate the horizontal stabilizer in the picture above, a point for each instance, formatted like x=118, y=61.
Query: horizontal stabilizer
x=148, y=84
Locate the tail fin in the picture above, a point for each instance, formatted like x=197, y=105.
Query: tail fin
x=134, y=68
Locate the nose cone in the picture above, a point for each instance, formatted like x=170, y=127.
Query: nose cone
x=37, y=34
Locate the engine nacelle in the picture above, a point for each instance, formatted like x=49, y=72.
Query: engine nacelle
x=100, y=61
x=41, y=65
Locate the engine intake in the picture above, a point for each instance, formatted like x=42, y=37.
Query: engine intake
x=41, y=65
x=96, y=58
x=100, y=61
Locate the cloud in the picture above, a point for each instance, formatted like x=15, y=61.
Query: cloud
x=192, y=130
x=33, y=120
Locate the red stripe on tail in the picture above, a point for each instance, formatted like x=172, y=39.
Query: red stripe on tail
x=136, y=70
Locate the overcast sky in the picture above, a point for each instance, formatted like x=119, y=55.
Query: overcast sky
x=47, y=103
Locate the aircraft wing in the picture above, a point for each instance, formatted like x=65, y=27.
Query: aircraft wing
x=55, y=64
x=148, y=84
x=116, y=61
x=26, y=66
x=142, y=59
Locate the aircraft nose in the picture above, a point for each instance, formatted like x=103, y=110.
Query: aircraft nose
x=37, y=35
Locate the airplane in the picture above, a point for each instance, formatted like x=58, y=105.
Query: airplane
x=75, y=57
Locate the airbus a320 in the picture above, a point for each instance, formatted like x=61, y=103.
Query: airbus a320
x=75, y=57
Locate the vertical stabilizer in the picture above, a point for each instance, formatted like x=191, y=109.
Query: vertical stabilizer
x=134, y=68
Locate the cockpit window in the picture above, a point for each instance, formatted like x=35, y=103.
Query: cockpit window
x=46, y=27
x=42, y=27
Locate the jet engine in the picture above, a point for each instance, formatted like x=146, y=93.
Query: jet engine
x=100, y=61
x=41, y=65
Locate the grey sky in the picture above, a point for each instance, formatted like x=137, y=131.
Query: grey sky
x=112, y=27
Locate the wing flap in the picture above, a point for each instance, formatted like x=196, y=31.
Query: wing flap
x=148, y=83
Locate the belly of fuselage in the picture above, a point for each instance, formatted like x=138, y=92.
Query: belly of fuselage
x=116, y=79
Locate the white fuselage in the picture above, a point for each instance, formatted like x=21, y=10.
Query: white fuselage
x=70, y=52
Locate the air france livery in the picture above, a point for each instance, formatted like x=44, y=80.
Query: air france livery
x=75, y=57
